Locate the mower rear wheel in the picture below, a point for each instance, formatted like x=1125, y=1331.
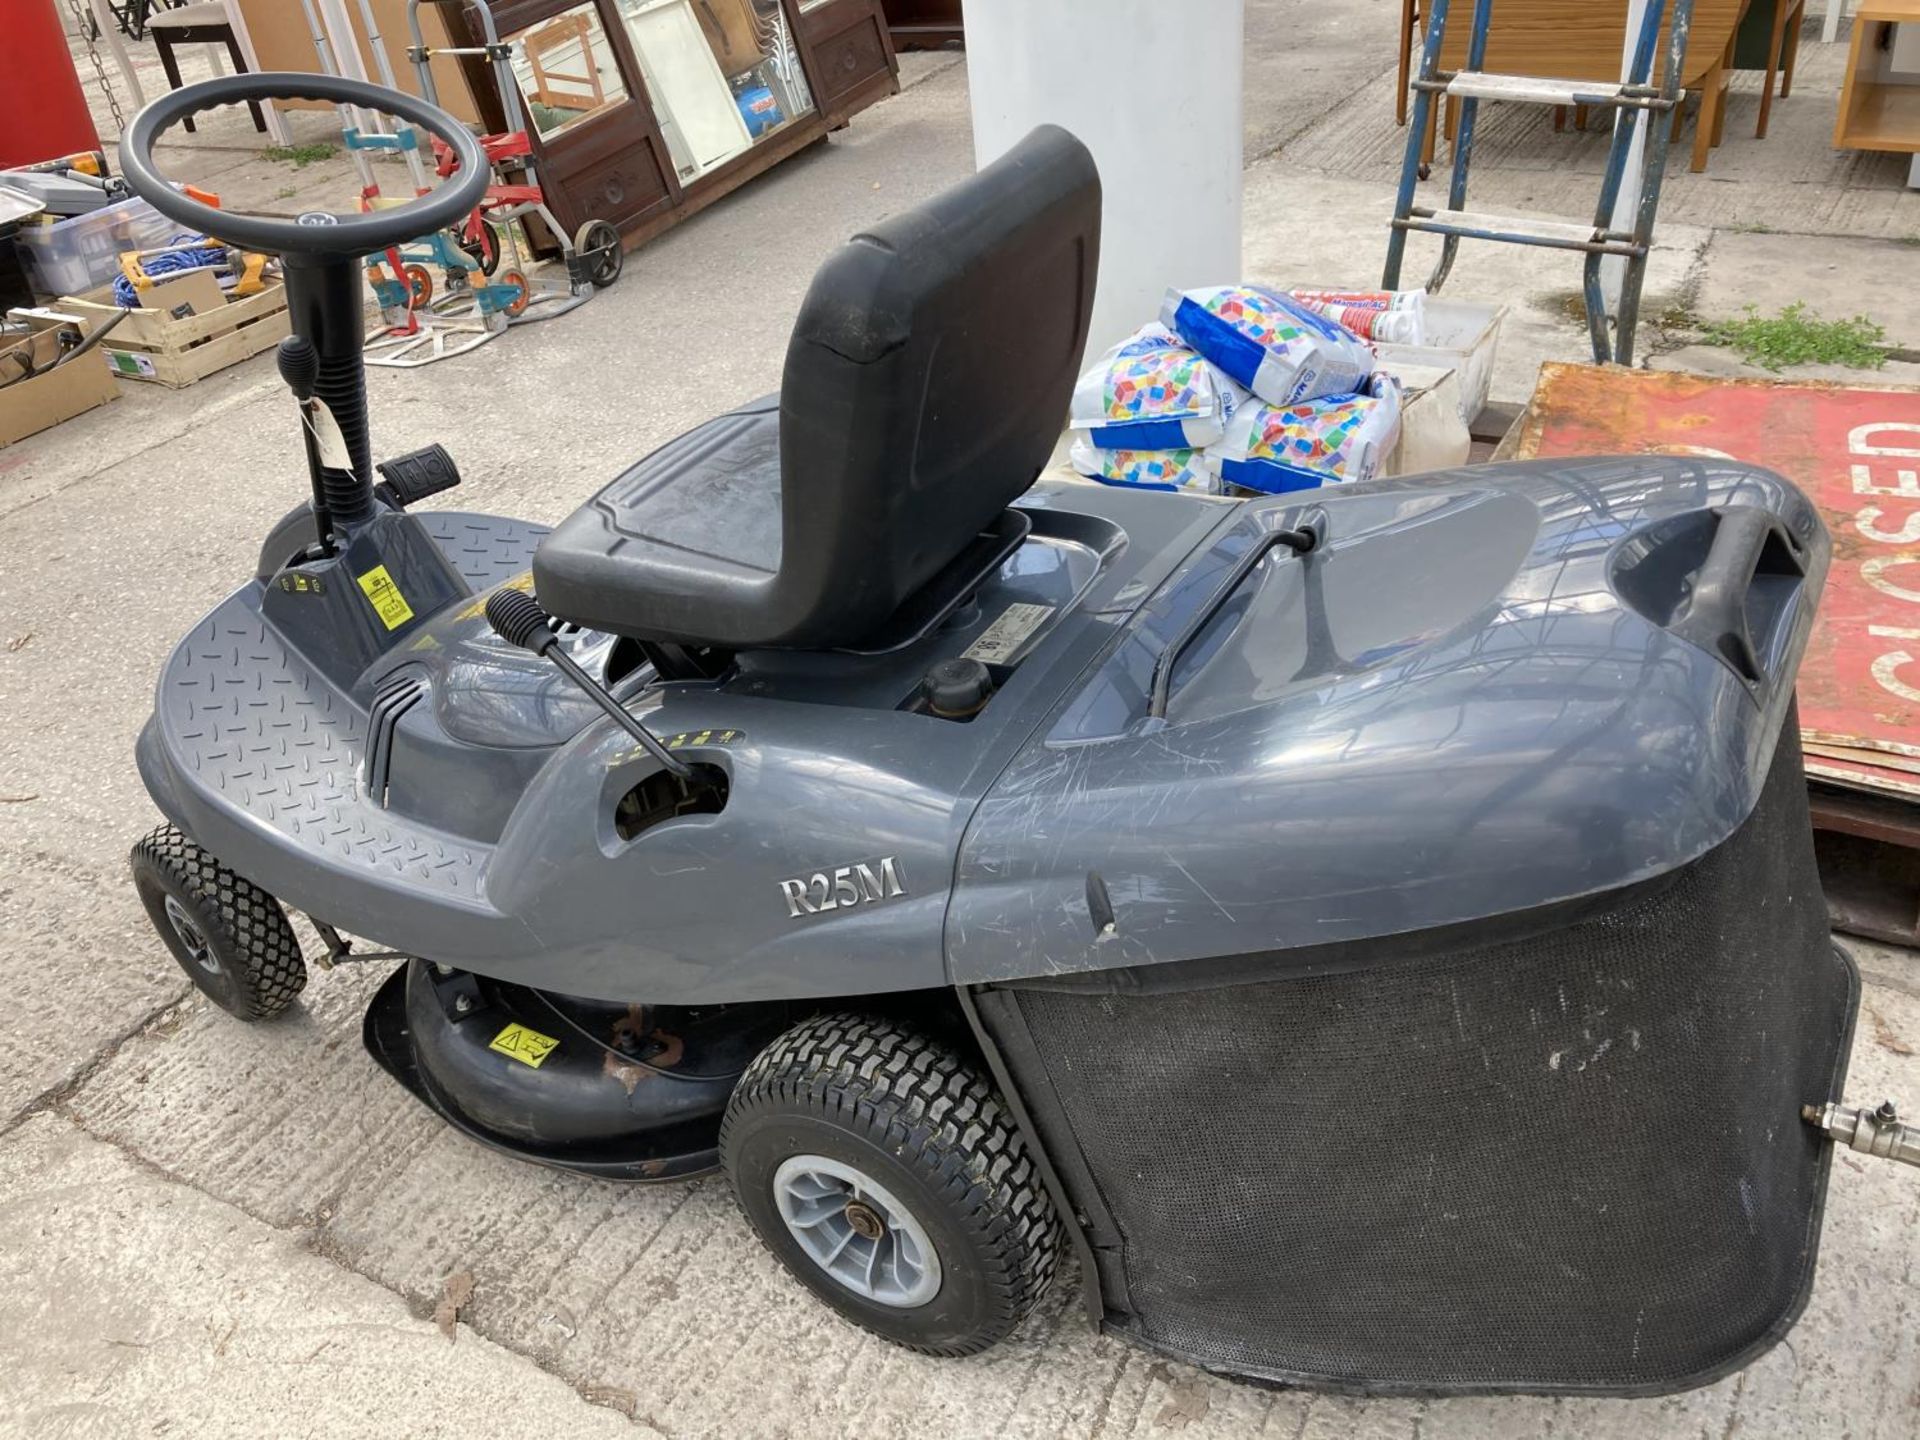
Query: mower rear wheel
x=230, y=936
x=881, y=1168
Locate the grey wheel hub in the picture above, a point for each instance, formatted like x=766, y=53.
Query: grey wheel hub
x=853, y=1228
x=199, y=949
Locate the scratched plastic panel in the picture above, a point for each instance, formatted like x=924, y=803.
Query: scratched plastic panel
x=1573, y=1163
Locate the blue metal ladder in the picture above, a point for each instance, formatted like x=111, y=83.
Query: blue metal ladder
x=1598, y=240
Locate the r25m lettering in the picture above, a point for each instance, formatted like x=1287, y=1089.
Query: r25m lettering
x=839, y=889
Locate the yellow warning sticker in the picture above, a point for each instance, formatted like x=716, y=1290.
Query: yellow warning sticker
x=529, y=1047
x=388, y=603
x=522, y=582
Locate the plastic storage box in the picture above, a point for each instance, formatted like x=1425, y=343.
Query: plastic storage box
x=1462, y=335
x=71, y=256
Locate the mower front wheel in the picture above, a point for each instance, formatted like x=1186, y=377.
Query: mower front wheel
x=230, y=936
x=881, y=1168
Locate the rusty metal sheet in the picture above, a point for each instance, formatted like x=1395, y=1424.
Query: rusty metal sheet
x=1855, y=451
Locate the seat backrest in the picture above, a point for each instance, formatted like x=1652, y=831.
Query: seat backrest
x=927, y=381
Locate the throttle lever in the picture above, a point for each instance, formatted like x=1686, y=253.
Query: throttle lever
x=517, y=618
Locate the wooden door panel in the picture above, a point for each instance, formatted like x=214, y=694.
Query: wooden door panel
x=848, y=54
x=610, y=164
x=618, y=175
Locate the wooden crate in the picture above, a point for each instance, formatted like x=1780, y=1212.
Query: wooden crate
x=151, y=344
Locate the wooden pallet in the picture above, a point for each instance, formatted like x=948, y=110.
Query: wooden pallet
x=152, y=343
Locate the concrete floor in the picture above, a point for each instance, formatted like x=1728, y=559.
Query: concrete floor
x=221, y=1230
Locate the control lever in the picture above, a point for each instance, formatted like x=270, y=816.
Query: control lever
x=517, y=618
x=299, y=366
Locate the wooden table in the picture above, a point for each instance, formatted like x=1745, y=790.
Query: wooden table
x=1584, y=39
x=1880, y=105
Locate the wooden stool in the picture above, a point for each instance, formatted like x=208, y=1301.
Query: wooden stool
x=202, y=24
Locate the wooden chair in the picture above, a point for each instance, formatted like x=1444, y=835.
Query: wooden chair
x=551, y=52
x=1409, y=18
x=1782, y=52
x=203, y=24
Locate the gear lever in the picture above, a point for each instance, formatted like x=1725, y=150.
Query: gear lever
x=517, y=618
x=299, y=366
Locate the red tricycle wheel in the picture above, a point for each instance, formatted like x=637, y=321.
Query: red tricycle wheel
x=419, y=286
x=519, y=303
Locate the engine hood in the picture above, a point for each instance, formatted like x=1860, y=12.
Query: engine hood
x=1486, y=691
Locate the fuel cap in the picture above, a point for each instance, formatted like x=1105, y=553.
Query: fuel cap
x=957, y=688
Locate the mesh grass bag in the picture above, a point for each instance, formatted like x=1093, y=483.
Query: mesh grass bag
x=1281, y=350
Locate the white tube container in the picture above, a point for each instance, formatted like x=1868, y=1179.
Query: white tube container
x=1153, y=90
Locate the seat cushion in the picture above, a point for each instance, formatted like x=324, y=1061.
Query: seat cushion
x=681, y=541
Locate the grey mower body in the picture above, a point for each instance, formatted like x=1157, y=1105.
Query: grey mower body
x=1328, y=905
x=1446, y=711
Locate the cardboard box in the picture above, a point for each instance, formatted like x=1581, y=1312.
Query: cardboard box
x=58, y=393
x=1432, y=434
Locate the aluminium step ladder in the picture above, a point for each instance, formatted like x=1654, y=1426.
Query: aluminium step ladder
x=1639, y=103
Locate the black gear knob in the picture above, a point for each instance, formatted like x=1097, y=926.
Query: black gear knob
x=517, y=618
x=299, y=366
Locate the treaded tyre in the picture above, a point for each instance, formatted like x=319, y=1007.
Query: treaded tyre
x=884, y=1172
x=229, y=935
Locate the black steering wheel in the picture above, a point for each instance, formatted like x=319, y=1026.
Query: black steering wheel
x=314, y=232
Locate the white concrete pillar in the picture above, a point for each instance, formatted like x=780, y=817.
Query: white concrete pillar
x=1153, y=90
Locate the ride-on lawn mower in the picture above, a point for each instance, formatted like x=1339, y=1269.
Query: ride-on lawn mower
x=1376, y=928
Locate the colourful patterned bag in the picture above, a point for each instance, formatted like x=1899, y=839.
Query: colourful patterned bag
x=1145, y=469
x=1280, y=349
x=1151, y=392
x=1338, y=439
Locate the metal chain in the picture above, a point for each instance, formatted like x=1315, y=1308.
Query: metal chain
x=83, y=17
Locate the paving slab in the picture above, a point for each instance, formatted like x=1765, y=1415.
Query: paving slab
x=664, y=1292
x=79, y=969
x=1303, y=60
x=1835, y=276
x=134, y=1305
x=1717, y=360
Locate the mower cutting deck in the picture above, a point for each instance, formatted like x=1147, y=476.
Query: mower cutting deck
x=1314, y=909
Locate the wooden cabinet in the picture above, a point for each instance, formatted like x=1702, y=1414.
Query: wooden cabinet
x=601, y=155
x=849, y=54
x=645, y=111
x=1880, y=101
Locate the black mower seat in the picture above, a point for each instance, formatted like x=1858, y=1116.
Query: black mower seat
x=925, y=385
